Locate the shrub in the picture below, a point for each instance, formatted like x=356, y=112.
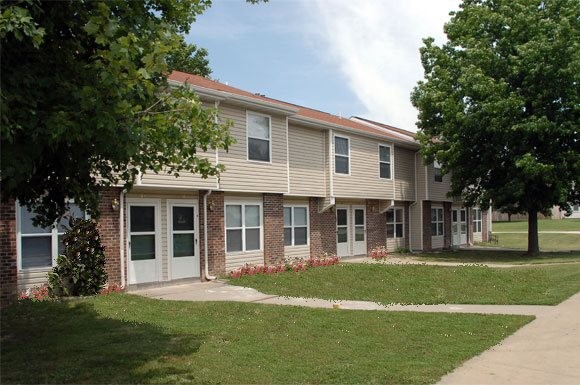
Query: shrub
x=35, y=294
x=81, y=269
x=290, y=264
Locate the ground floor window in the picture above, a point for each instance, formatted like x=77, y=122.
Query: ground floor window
x=395, y=223
x=243, y=227
x=436, y=221
x=477, y=220
x=295, y=225
x=38, y=247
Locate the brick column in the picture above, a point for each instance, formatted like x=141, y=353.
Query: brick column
x=8, y=263
x=447, y=225
x=273, y=228
x=376, y=225
x=108, y=226
x=470, y=239
x=407, y=214
x=216, y=253
x=485, y=236
x=426, y=212
x=322, y=230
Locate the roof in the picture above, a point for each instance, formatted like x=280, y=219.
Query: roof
x=304, y=112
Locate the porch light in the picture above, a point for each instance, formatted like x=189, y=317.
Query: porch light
x=115, y=204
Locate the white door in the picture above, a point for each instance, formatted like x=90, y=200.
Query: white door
x=144, y=247
x=458, y=227
x=360, y=240
x=342, y=236
x=183, y=240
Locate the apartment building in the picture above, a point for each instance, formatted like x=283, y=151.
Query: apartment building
x=298, y=182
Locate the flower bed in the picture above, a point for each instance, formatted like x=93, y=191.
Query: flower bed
x=294, y=264
x=379, y=252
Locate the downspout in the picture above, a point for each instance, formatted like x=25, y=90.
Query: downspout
x=207, y=276
x=122, y=234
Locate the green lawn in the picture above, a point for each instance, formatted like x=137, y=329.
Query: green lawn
x=543, y=225
x=421, y=284
x=128, y=339
x=496, y=256
x=548, y=242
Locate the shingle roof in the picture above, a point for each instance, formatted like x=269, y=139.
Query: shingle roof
x=305, y=112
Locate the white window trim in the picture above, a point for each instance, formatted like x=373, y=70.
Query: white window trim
x=391, y=149
x=244, y=202
x=442, y=221
x=53, y=246
x=334, y=154
x=395, y=223
x=292, y=226
x=475, y=220
x=248, y=113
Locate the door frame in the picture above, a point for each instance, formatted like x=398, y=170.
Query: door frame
x=458, y=223
x=169, y=232
x=348, y=229
x=156, y=203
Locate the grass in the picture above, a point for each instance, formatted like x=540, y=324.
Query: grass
x=543, y=225
x=548, y=242
x=497, y=256
x=421, y=284
x=128, y=339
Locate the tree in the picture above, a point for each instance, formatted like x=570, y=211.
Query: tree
x=499, y=105
x=85, y=102
x=189, y=58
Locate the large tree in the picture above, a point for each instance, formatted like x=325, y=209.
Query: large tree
x=85, y=102
x=499, y=105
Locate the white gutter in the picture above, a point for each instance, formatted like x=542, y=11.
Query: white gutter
x=207, y=276
x=217, y=154
x=122, y=235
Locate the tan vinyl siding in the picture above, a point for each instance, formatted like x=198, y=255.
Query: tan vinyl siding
x=404, y=174
x=27, y=279
x=363, y=181
x=244, y=175
x=437, y=242
x=394, y=243
x=421, y=178
x=297, y=251
x=307, y=160
x=477, y=237
x=438, y=190
x=235, y=260
x=415, y=236
x=185, y=179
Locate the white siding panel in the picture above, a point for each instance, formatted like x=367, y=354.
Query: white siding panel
x=244, y=175
x=404, y=174
x=363, y=181
x=437, y=242
x=394, y=243
x=297, y=251
x=307, y=161
x=28, y=279
x=233, y=261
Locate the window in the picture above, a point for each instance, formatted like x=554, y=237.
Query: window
x=384, y=162
x=436, y=221
x=395, y=223
x=437, y=171
x=477, y=220
x=243, y=227
x=295, y=225
x=183, y=231
x=39, y=246
x=341, y=155
x=142, y=232
x=258, y=137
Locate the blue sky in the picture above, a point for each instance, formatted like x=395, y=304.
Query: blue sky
x=344, y=57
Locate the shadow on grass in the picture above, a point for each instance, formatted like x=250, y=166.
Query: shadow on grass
x=69, y=342
x=502, y=256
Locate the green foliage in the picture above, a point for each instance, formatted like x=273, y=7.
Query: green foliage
x=85, y=101
x=81, y=269
x=189, y=58
x=499, y=105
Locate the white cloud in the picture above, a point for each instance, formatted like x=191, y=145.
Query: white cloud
x=376, y=44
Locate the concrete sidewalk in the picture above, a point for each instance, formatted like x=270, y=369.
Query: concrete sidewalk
x=545, y=351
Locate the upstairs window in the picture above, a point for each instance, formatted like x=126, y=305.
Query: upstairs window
x=436, y=221
x=295, y=225
x=384, y=162
x=259, y=134
x=437, y=172
x=341, y=155
x=477, y=220
x=395, y=223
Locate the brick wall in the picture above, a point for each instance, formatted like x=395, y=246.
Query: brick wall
x=446, y=225
x=426, y=225
x=273, y=228
x=8, y=263
x=484, y=230
x=376, y=225
x=108, y=225
x=216, y=233
x=322, y=230
x=469, y=226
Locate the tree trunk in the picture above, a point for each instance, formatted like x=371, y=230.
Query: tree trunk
x=509, y=217
x=533, y=242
